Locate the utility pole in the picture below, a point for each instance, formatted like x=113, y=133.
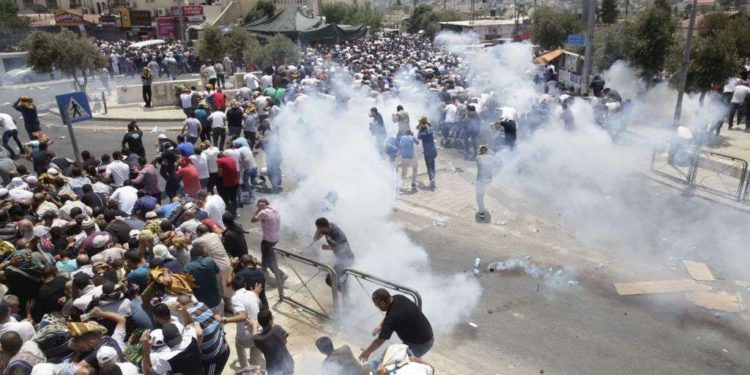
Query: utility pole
x=590, y=23
x=472, y=13
x=181, y=27
x=627, y=7
x=685, y=64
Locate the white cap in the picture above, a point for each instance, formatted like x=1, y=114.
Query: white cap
x=53, y=171
x=106, y=354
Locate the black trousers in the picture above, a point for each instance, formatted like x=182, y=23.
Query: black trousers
x=220, y=136
x=268, y=258
x=229, y=195
x=429, y=161
x=147, y=95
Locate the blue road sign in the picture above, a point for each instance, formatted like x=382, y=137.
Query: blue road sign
x=75, y=106
x=577, y=40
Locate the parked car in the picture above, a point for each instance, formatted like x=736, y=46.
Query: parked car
x=28, y=75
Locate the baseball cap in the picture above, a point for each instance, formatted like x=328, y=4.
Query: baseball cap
x=106, y=354
x=172, y=336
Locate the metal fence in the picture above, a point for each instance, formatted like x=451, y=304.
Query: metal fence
x=306, y=271
x=677, y=164
x=359, y=277
x=720, y=173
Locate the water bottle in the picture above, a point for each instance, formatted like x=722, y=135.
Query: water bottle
x=477, y=263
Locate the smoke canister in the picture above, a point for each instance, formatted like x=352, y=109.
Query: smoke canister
x=477, y=263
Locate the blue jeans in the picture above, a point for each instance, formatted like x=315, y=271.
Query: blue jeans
x=248, y=183
x=6, y=137
x=421, y=349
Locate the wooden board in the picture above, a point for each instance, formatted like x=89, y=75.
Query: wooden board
x=698, y=271
x=656, y=287
x=717, y=301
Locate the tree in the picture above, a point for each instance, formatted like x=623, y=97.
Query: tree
x=652, y=34
x=737, y=26
x=46, y=51
x=551, y=27
x=335, y=12
x=235, y=42
x=424, y=17
x=210, y=46
x=262, y=8
x=12, y=27
x=610, y=44
x=341, y=13
x=252, y=52
x=278, y=50
x=609, y=11
x=713, y=59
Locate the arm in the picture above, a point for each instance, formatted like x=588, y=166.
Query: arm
x=242, y=316
x=256, y=217
x=183, y=129
x=377, y=343
x=146, y=362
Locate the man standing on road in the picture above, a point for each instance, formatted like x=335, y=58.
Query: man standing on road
x=133, y=140
x=270, y=225
x=484, y=178
x=738, y=105
x=335, y=241
x=401, y=118
x=403, y=317
x=218, y=120
x=10, y=131
x=230, y=181
x=192, y=128
x=245, y=305
x=406, y=151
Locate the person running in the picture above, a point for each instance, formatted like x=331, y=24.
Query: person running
x=484, y=178
x=428, y=147
x=28, y=110
x=146, y=79
x=10, y=131
x=132, y=141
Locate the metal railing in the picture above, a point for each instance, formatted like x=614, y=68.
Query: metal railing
x=722, y=166
x=673, y=166
x=320, y=269
x=359, y=276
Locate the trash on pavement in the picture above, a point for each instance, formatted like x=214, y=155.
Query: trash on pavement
x=656, y=287
x=698, y=271
x=716, y=301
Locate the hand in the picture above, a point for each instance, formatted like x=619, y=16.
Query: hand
x=257, y=288
x=235, y=261
x=376, y=330
x=61, y=301
x=95, y=312
x=364, y=356
x=146, y=338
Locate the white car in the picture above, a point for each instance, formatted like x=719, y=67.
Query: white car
x=28, y=75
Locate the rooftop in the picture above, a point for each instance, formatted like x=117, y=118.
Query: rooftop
x=484, y=22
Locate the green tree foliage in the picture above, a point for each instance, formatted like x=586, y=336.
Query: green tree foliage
x=47, y=51
x=12, y=27
x=551, y=27
x=278, y=50
x=652, y=34
x=609, y=11
x=713, y=58
x=237, y=41
x=342, y=13
x=262, y=8
x=610, y=45
x=426, y=18
x=211, y=46
x=738, y=26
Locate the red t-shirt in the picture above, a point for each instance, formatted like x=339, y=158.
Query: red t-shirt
x=190, y=181
x=220, y=100
x=228, y=171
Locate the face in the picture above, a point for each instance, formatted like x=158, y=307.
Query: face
x=380, y=305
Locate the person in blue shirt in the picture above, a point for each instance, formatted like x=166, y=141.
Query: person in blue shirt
x=406, y=151
x=201, y=113
x=391, y=149
x=428, y=146
x=138, y=268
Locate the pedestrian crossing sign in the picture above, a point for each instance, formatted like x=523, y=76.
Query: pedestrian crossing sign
x=74, y=107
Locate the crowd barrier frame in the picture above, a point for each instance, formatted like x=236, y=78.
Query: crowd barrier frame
x=283, y=254
x=741, y=186
x=415, y=296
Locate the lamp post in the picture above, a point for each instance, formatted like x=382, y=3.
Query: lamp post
x=685, y=64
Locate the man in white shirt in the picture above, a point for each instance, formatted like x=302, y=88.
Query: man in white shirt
x=200, y=161
x=186, y=101
x=125, y=196
x=218, y=121
x=248, y=169
x=167, y=351
x=117, y=170
x=738, y=105
x=212, y=153
x=10, y=131
x=24, y=328
x=266, y=81
x=245, y=305
x=251, y=81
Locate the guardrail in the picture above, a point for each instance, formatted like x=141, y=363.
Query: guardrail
x=321, y=268
x=679, y=165
x=722, y=166
x=359, y=275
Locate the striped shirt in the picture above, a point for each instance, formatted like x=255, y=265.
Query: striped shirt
x=213, y=335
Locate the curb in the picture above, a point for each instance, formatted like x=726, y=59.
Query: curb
x=128, y=119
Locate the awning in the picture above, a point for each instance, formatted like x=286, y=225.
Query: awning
x=548, y=57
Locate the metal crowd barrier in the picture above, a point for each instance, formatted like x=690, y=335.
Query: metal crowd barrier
x=662, y=167
x=359, y=276
x=321, y=269
x=722, y=166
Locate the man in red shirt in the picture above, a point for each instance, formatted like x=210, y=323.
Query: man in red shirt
x=230, y=181
x=220, y=100
x=191, y=184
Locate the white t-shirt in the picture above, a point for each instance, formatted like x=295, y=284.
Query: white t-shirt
x=7, y=122
x=186, y=99
x=740, y=92
x=192, y=125
x=211, y=154
x=201, y=164
x=215, y=208
x=24, y=329
x=251, y=81
x=218, y=119
x=450, y=113
x=266, y=81
x=125, y=197
x=128, y=368
x=245, y=300
x=119, y=171
x=210, y=72
x=246, y=155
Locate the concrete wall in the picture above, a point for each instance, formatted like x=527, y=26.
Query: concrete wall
x=163, y=93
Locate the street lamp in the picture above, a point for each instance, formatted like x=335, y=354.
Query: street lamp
x=685, y=63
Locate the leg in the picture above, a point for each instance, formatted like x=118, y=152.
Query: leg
x=404, y=166
x=215, y=137
x=232, y=197
x=14, y=134
x=268, y=259
x=430, y=163
x=6, y=137
x=732, y=111
x=481, y=186
x=241, y=348
x=414, y=166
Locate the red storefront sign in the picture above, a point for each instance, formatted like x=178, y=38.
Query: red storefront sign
x=67, y=19
x=165, y=28
x=192, y=13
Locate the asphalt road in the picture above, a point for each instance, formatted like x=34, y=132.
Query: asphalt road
x=529, y=325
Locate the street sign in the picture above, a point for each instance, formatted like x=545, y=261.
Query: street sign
x=577, y=40
x=74, y=107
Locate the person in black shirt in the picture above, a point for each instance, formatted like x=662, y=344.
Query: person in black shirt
x=53, y=289
x=133, y=140
x=233, y=237
x=403, y=317
x=336, y=242
x=40, y=159
x=93, y=199
x=248, y=269
x=272, y=342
